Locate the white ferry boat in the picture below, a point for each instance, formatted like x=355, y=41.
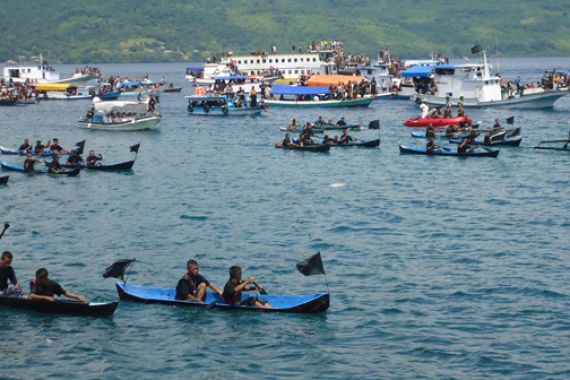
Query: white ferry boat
x=42, y=72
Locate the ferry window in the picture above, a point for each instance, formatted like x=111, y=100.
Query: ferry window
x=258, y=61
x=296, y=71
x=369, y=71
x=270, y=60
x=314, y=59
x=295, y=60
x=265, y=61
x=302, y=71
x=283, y=60
x=289, y=60
x=289, y=71
x=486, y=82
x=300, y=59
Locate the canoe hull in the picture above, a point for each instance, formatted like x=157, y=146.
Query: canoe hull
x=437, y=122
x=451, y=153
x=123, y=166
x=305, y=148
x=78, y=309
x=150, y=122
x=362, y=144
x=310, y=303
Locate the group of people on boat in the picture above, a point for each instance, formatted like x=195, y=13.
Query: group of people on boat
x=466, y=144
x=193, y=286
x=41, y=287
x=436, y=112
x=305, y=137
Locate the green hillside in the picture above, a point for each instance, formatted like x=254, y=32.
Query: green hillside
x=82, y=31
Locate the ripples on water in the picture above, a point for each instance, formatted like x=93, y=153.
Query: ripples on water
x=438, y=267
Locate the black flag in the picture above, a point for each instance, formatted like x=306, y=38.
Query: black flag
x=476, y=49
x=118, y=268
x=511, y=120
x=135, y=148
x=312, y=266
x=81, y=147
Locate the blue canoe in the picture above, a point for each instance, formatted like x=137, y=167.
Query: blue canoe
x=11, y=166
x=480, y=152
x=306, y=303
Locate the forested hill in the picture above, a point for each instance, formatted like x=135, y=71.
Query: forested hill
x=85, y=31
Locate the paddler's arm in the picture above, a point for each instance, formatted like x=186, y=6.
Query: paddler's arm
x=75, y=297
x=215, y=288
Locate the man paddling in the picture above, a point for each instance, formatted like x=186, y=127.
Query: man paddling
x=235, y=286
x=7, y=274
x=25, y=147
x=346, y=138
x=192, y=286
x=42, y=288
x=29, y=163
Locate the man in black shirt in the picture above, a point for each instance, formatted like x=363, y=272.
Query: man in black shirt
x=7, y=274
x=42, y=288
x=192, y=286
x=235, y=286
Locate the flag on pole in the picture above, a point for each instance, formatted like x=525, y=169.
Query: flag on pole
x=311, y=266
x=118, y=268
x=135, y=148
x=476, y=49
x=511, y=120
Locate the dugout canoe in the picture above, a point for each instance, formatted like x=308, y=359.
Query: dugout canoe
x=305, y=148
x=361, y=144
x=304, y=303
x=481, y=152
x=4, y=150
x=79, y=309
x=11, y=166
x=123, y=166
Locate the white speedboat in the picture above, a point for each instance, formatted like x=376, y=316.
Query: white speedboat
x=479, y=88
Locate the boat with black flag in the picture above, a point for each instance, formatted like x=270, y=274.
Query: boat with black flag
x=290, y=303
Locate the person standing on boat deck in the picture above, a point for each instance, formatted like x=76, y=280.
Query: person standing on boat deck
x=460, y=107
x=29, y=163
x=425, y=109
x=192, y=286
x=42, y=288
x=447, y=111
x=25, y=146
x=92, y=158
x=235, y=286
x=253, y=97
x=151, y=104
x=7, y=274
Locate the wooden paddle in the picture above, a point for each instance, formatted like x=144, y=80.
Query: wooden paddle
x=6, y=226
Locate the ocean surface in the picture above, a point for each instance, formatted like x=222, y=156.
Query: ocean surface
x=438, y=267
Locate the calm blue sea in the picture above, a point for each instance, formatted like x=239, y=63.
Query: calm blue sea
x=438, y=267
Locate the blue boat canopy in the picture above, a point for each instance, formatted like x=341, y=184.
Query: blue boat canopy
x=232, y=77
x=417, y=72
x=283, y=89
x=195, y=68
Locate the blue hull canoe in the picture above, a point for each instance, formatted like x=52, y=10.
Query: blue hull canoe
x=480, y=152
x=10, y=166
x=307, y=303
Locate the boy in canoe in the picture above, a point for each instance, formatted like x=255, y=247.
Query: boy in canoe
x=93, y=158
x=42, y=288
x=192, y=286
x=56, y=148
x=54, y=166
x=7, y=274
x=346, y=138
x=29, y=163
x=235, y=286
x=25, y=147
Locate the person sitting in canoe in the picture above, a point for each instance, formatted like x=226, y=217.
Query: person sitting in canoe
x=192, y=286
x=497, y=128
x=452, y=131
x=30, y=162
x=346, y=138
x=92, y=158
x=341, y=122
x=54, y=166
x=74, y=158
x=293, y=126
x=305, y=137
x=235, y=286
x=42, y=288
x=7, y=274
x=329, y=140
x=25, y=146
x=320, y=121
x=287, y=142
x=463, y=146
x=40, y=148
x=56, y=148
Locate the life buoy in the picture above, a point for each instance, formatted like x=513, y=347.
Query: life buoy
x=206, y=108
x=225, y=110
x=190, y=108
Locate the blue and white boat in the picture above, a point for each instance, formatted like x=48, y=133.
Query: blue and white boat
x=222, y=105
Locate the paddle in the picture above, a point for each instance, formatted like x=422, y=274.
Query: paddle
x=6, y=226
x=260, y=289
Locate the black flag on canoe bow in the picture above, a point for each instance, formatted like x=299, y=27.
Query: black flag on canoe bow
x=311, y=266
x=476, y=49
x=135, y=148
x=511, y=120
x=118, y=268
